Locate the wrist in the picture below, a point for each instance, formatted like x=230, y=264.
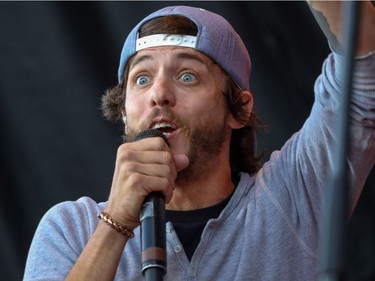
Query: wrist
x=114, y=224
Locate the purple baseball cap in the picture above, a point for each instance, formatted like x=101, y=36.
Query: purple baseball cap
x=216, y=38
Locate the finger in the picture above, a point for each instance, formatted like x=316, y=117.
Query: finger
x=142, y=162
x=151, y=157
x=181, y=161
x=133, y=151
x=145, y=184
x=150, y=144
x=153, y=170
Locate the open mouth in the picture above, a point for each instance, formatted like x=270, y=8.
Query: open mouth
x=164, y=127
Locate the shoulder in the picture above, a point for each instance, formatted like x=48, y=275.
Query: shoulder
x=70, y=214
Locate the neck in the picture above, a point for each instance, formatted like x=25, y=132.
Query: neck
x=205, y=190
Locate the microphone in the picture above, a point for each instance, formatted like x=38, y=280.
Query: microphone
x=152, y=217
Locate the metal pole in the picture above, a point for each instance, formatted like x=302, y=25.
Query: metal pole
x=333, y=240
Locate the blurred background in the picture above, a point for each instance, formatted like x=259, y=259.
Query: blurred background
x=58, y=58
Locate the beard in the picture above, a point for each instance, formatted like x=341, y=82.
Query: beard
x=205, y=143
x=206, y=138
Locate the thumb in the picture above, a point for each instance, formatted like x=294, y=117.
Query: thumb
x=181, y=161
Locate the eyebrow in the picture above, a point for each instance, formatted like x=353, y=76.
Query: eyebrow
x=138, y=60
x=179, y=56
x=195, y=57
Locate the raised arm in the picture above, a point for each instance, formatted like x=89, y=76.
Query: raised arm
x=329, y=14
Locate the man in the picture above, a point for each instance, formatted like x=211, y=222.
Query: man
x=185, y=72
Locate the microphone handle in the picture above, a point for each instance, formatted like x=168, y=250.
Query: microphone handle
x=153, y=237
x=152, y=217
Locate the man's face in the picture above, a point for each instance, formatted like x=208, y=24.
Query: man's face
x=178, y=91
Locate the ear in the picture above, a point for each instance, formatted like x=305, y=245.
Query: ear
x=247, y=98
x=124, y=119
x=123, y=116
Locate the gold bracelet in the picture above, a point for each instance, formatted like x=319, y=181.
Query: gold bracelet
x=115, y=224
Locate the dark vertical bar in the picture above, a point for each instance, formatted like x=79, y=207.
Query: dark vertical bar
x=333, y=240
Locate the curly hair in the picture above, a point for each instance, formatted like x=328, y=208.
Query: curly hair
x=243, y=156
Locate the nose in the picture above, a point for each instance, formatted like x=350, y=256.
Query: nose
x=161, y=93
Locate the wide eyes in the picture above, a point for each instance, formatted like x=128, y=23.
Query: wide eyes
x=188, y=78
x=142, y=80
x=185, y=78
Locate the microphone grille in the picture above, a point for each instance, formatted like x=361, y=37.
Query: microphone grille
x=150, y=133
